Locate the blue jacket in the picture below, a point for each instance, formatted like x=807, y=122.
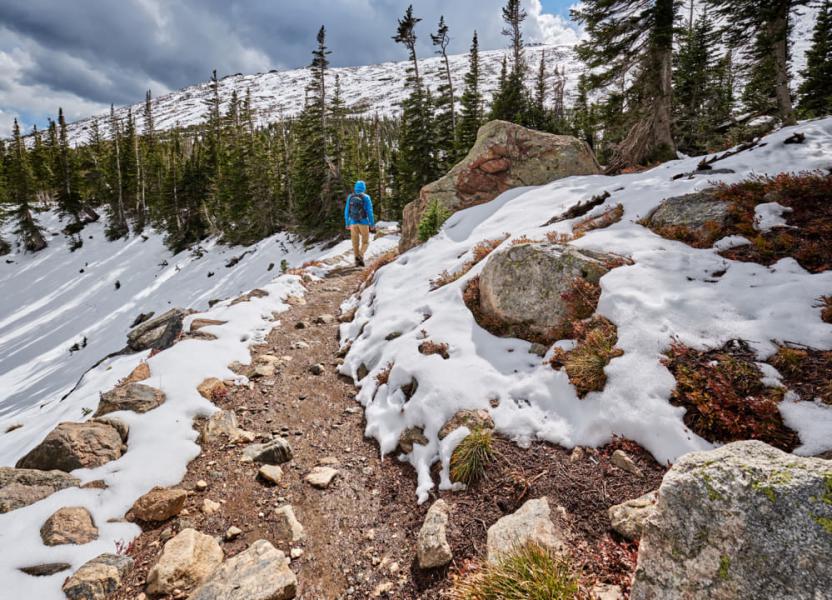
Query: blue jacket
x=368, y=208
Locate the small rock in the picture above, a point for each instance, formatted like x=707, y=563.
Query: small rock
x=212, y=389
x=329, y=461
x=159, y=504
x=321, y=477
x=259, y=573
x=98, y=578
x=45, y=569
x=410, y=436
x=271, y=473
x=606, y=591
x=274, y=452
x=472, y=419
x=201, y=485
x=186, y=561
x=539, y=350
x=628, y=518
x=299, y=345
x=296, y=553
x=223, y=425
x=233, y=533
x=324, y=320
x=69, y=525
x=433, y=549
x=621, y=460
x=136, y=397
x=577, y=454
x=287, y=525
x=530, y=523
x=209, y=507
x=384, y=587
x=317, y=369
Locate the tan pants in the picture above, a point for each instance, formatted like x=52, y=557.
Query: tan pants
x=360, y=233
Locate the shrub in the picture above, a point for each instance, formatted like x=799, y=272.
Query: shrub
x=584, y=365
x=480, y=251
x=384, y=259
x=432, y=219
x=725, y=398
x=470, y=458
x=805, y=371
x=531, y=572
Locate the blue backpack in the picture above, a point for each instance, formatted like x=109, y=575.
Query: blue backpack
x=356, y=209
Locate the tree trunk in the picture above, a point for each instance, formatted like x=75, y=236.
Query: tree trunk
x=778, y=30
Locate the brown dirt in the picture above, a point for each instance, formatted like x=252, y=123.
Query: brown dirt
x=361, y=531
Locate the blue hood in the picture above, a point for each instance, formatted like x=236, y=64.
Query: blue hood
x=360, y=187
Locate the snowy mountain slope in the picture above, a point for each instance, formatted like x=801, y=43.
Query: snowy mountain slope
x=367, y=89
x=667, y=292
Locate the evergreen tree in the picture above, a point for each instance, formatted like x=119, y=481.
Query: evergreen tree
x=117, y=223
x=69, y=188
x=815, y=92
x=471, y=114
x=40, y=163
x=511, y=101
x=445, y=120
x=583, y=118
x=21, y=194
x=762, y=29
x=5, y=247
x=632, y=41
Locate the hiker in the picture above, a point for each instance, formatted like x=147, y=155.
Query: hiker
x=358, y=215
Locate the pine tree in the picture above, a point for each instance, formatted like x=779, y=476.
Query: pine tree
x=511, y=101
x=762, y=29
x=69, y=192
x=632, y=40
x=583, y=117
x=40, y=163
x=445, y=120
x=117, y=223
x=5, y=247
x=471, y=114
x=815, y=92
x=21, y=194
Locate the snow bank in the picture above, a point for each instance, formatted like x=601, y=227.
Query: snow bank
x=668, y=292
x=50, y=306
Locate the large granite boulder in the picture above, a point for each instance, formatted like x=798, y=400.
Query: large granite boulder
x=137, y=397
x=187, y=560
x=75, y=445
x=743, y=521
x=259, y=573
x=69, y=525
x=505, y=156
x=22, y=487
x=691, y=211
x=525, y=284
x=158, y=333
x=98, y=578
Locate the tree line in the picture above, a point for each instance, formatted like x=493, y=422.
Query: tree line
x=656, y=84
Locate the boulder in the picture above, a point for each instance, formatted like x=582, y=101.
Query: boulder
x=98, y=578
x=158, y=333
x=137, y=397
x=504, y=156
x=289, y=529
x=472, y=419
x=22, y=487
x=259, y=573
x=187, y=560
x=531, y=523
x=691, y=211
x=69, y=525
x=628, y=518
x=743, y=521
x=433, y=549
x=223, y=425
x=75, y=445
x=274, y=452
x=525, y=283
x=159, y=504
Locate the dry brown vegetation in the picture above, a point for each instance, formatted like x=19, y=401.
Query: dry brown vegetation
x=806, y=371
x=384, y=259
x=584, y=365
x=431, y=347
x=383, y=376
x=609, y=217
x=479, y=252
x=826, y=309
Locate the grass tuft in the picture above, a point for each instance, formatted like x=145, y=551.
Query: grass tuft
x=585, y=363
x=471, y=457
x=532, y=572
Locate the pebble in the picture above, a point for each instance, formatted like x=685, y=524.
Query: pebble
x=296, y=553
x=209, y=507
x=233, y=532
x=201, y=485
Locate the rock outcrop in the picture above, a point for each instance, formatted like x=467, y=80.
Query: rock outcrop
x=433, y=549
x=743, y=521
x=691, y=211
x=525, y=284
x=531, y=523
x=98, y=578
x=259, y=573
x=628, y=518
x=75, y=445
x=187, y=560
x=22, y=487
x=505, y=156
x=158, y=333
x=69, y=525
x=137, y=397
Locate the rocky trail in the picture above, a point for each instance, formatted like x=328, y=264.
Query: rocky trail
x=352, y=532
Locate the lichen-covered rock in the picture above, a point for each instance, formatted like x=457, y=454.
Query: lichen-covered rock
x=98, y=578
x=743, y=521
x=158, y=333
x=472, y=419
x=525, y=283
x=274, y=452
x=691, y=211
x=69, y=525
x=628, y=518
x=137, y=397
x=159, y=504
x=75, y=445
x=504, y=156
x=22, y=487
x=433, y=549
x=187, y=560
x=531, y=523
x=259, y=573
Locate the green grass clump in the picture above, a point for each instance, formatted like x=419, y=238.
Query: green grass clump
x=530, y=573
x=472, y=455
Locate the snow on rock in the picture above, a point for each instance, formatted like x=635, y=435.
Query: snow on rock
x=769, y=215
x=669, y=291
x=51, y=304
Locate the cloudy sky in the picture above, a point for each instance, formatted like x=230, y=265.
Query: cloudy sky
x=85, y=54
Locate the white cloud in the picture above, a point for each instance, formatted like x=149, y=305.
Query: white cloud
x=547, y=28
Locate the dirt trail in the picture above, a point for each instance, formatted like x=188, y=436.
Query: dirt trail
x=361, y=531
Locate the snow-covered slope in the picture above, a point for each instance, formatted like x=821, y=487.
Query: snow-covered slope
x=367, y=90
x=666, y=292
